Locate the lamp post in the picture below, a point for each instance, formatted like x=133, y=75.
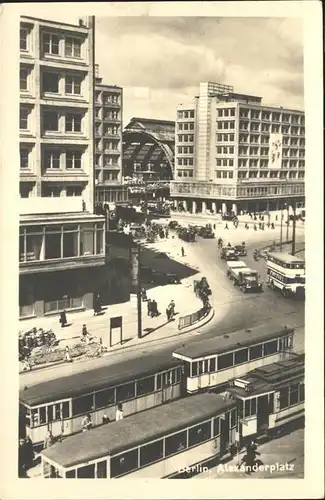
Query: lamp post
x=281, y=227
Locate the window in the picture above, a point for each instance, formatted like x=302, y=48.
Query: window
x=72, y=47
x=50, y=82
x=23, y=74
x=65, y=409
x=216, y=426
x=23, y=118
x=124, y=463
x=51, y=44
x=125, y=392
x=51, y=191
x=270, y=347
x=250, y=407
x=194, y=369
x=74, y=190
x=42, y=414
x=70, y=474
x=151, y=453
x=294, y=394
x=302, y=392
x=23, y=38
x=104, y=398
x=225, y=361
x=70, y=244
x=73, y=84
x=52, y=245
x=102, y=470
x=73, y=159
x=145, y=385
x=241, y=356
x=52, y=159
x=24, y=156
x=233, y=420
x=50, y=121
x=212, y=367
x=82, y=405
x=284, y=398
x=256, y=351
x=199, y=433
x=175, y=443
x=73, y=122
x=86, y=472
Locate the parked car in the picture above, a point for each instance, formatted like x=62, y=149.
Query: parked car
x=240, y=250
x=229, y=253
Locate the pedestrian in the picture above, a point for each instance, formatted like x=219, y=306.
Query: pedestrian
x=22, y=458
x=226, y=226
x=154, y=306
x=63, y=319
x=49, y=440
x=168, y=313
x=255, y=227
x=214, y=226
x=86, y=423
x=272, y=225
x=229, y=244
x=144, y=295
x=268, y=224
x=167, y=233
x=149, y=307
x=276, y=218
x=67, y=355
x=105, y=419
x=29, y=453
x=97, y=304
x=119, y=412
x=183, y=252
x=84, y=332
x=172, y=306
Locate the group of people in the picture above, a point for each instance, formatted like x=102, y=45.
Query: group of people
x=26, y=456
x=87, y=424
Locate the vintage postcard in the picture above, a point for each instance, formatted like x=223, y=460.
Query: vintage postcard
x=161, y=277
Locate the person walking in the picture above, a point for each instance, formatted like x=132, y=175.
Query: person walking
x=49, y=440
x=183, y=252
x=155, y=312
x=168, y=313
x=119, y=412
x=226, y=226
x=67, y=356
x=29, y=453
x=84, y=333
x=63, y=319
x=22, y=458
x=172, y=309
x=149, y=307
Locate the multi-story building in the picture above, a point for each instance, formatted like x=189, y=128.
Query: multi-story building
x=108, y=143
x=61, y=240
x=234, y=153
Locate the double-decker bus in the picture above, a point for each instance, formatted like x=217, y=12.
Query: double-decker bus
x=286, y=273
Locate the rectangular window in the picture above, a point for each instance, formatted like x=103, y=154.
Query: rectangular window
x=24, y=158
x=124, y=463
x=72, y=47
x=256, y=351
x=199, y=433
x=175, y=443
x=216, y=426
x=65, y=409
x=23, y=75
x=225, y=361
x=233, y=420
x=52, y=159
x=194, y=368
x=294, y=394
x=73, y=122
x=102, y=470
x=86, y=472
x=250, y=407
x=145, y=386
x=284, y=398
x=73, y=159
x=74, y=190
x=212, y=367
x=302, y=392
x=42, y=414
x=53, y=246
x=23, y=118
x=70, y=244
x=70, y=474
x=151, y=453
x=82, y=405
x=73, y=84
x=270, y=347
x=50, y=82
x=125, y=392
x=51, y=44
x=241, y=356
x=50, y=121
x=23, y=38
x=104, y=398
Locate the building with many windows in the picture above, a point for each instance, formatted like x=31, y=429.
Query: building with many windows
x=108, y=143
x=234, y=153
x=61, y=240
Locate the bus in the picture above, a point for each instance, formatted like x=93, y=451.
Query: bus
x=59, y=405
x=158, y=443
x=286, y=273
x=211, y=363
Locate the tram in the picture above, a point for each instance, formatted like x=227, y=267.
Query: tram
x=158, y=443
x=270, y=399
x=59, y=405
x=211, y=363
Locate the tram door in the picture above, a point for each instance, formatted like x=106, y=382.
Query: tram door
x=167, y=387
x=202, y=368
x=57, y=413
x=224, y=433
x=263, y=413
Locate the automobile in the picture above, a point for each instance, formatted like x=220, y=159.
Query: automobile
x=228, y=217
x=207, y=233
x=173, y=224
x=229, y=253
x=240, y=250
x=160, y=278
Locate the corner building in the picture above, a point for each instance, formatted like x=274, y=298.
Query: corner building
x=61, y=240
x=232, y=153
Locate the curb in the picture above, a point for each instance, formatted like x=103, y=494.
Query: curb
x=166, y=340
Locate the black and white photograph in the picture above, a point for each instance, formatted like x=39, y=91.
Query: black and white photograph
x=161, y=177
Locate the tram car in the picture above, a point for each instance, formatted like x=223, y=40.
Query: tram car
x=59, y=405
x=211, y=363
x=158, y=443
x=270, y=399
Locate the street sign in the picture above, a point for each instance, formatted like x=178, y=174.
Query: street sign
x=115, y=323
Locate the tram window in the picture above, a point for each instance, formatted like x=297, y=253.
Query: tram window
x=50, y=413
x=27, y=416
x=159, y=381
x=151, y=453
x=167, y=379
x=199, y=433
x=83, y=404
x=284, y=398
x=302, y=392
x=256, y=351
x=145, y=385
x=104, y=398
x=250, y=407
x=102, y=469
x=175, y=443
x=212, y=367
x=233, y=418
x=71, y=474
x=65, y=409
x=42, y=415
x=194, y=369
x=174, y=376
x=241, y=356
x=35, y=417
x=270, y=347
x=57, y=412
x=225, y=361
x=125, y=392
x=294, y=394
x=124, y=463
x=216, y=427
x=178, y=375
x=86, y=472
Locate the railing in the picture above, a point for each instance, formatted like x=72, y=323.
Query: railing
x=190, y=319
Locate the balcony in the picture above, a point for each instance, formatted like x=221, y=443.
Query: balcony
x=110, y=119
x=33, y=206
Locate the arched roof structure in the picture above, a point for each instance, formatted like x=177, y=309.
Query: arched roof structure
x=148, y=149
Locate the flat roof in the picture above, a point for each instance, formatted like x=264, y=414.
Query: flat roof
x=65, y=217
x=235, y=340
x=286, y=256
x=51, y=21
x=136, y=429
x=96, y=379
